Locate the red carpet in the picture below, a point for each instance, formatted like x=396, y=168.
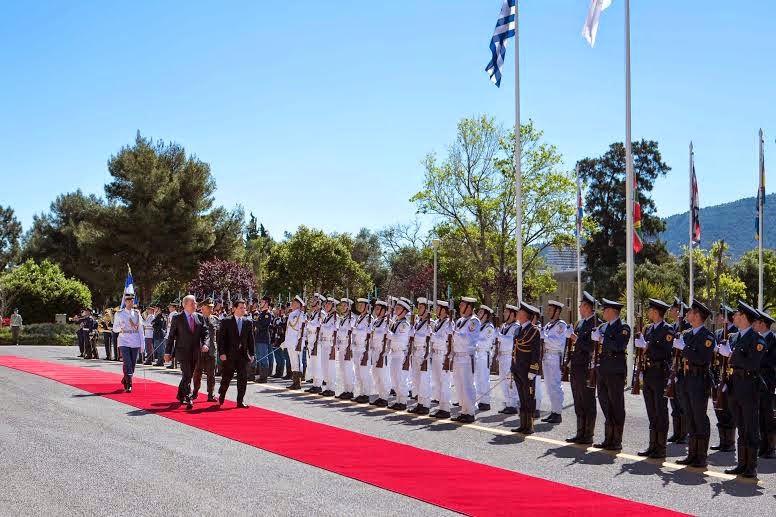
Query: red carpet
x=456, y=484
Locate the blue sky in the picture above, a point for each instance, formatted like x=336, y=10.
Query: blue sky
x=320, y=113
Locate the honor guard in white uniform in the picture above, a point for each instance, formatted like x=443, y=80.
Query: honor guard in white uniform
x=312, y=343
x=465, y=337
x=505, y=342
x=362, y=335
x=345, y=349
x=295, y=327
x=421, y=358
x=399, y=337
x=379, y=349
x=440, y=379
x=482, y=357
x=554, y=334
x=328, y=365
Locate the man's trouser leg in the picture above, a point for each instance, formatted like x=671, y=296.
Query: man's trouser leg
x=441, y=379
x=464, y=383
x=482, y=376
x=552, y=381
x=399, y=377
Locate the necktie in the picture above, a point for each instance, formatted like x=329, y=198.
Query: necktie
x=239, y=325
x=191, y=322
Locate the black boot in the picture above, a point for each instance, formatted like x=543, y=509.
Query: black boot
x=770, y=449
x=750, y=468
x=580, y=431
x=589, y=429
x=652, y=444
x=659, y=451
x=129, y=384
x=678, y=431
x=741, y=462
x=692, y=452
x=701, y=453
x=727, y=440
x=608, y=431
x=616, y=444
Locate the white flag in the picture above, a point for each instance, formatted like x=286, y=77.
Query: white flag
x=593, y=16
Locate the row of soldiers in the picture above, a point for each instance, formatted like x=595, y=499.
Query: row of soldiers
x=386, y=348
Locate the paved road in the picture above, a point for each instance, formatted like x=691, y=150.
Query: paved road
x=59, y=454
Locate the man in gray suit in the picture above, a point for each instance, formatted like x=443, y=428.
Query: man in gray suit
x=188, y=335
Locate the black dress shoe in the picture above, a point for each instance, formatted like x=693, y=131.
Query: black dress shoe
x=380, y=403
x=573, y=439
x=346, y=396
x=221, y=399
x=397, y=406
x=188, y=403
x=242, y=406
x=194, y=395
x=211, y=398
x=170, y=367
x=554, y=418
x=483, y=407
x=464, y=419
x=361, y=399
x=509, y=410
x=393, y=393
x=327, y=393
x=419, y=409
x=129, y=389
x=441, y=414
x=520, y=430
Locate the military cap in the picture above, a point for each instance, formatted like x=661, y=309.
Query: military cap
x=698, y=306
x=611, y=304
x=510, y=307
x=588, y=298
x=406, y=300
x=333, y=300
x=469, y=299
x=129, y=295
x=347, y=301
x=659, y=304
x=555, y=304
x=209, y=302
x=726, y=310
x=677, y=303
x=686, y=308
x=765, y=318
x=300, y=300
x=405, y=305
x=485, y=308
x=363, y=300
x=381, y=303
x=422, y=301
x=530, y=309
x=750, y=311
x=442, y=303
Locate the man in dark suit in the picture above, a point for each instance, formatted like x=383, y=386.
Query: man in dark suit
x=188, y=335
x=235, y=344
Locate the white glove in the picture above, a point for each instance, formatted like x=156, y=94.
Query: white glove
x=725, y=350
x=531, y=376
x=640, y=343
x=679, y=343
x=569, y=331
x=595, y=335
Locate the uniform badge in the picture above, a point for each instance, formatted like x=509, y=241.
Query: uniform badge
x=625, y=332
x=708, y=343
x=759, y=347
x=472, y=326
x=669, y=337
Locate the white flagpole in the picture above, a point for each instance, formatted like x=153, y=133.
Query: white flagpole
x=518, y=171
x=579, y=247
x=760, y=206
x=692, y=273
x=629, y=269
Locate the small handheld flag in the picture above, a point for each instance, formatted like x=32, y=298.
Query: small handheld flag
x=695, y=208
x=505, y=29
x=129, y=286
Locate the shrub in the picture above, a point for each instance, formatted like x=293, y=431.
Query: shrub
x=41, y=334
x=42, y=290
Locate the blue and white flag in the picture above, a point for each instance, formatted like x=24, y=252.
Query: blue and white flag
x=590, y=28
x=505, y=29
x=129, y=286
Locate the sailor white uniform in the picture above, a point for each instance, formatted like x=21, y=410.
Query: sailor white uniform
x=362, y=328
x=440, y=379
x=399, y=342
x=505, y=342
x=311, y=331
x=345, y=368
x=465, y=337
x=293, y=330
x=128, y=324
x=327, y=367
x=482, y=356
x=554, y=334
x=421, y=381
x=380, y=376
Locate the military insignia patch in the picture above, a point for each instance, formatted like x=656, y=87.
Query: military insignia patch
x=708, y=343
x=669, y=337
x=759, y=347
x=472, y=326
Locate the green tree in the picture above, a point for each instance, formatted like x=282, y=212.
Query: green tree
x=10, y=231
x=604, y=250
x=714, y=279
x=42, y=290
x=471, y=192
x=366, y=248
x=747, y=269
x=309, y=261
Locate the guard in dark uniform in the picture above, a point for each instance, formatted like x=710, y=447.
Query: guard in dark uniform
x=206, y=362
x=581, y=351
x=725, y=425
x=614, y=336
x=679, y=419
x=697, y=346
x=768, y=387
x=743, y=388
x=525, y=365
x=657, y=345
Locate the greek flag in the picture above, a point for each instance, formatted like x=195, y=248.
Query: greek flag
x=129, y=286
x=505, y=29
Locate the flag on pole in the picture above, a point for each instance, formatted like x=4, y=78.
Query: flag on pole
x=760, y=195
x=590, y=29
x=695, y=208
x=129, y=286
x=505, y=29
x=638, y=243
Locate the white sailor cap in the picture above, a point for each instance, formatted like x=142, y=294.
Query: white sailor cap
x=530, y=309
x=347, y=301
x=513, y=308
x=403, y=304
x=381, y=303
x=333, y=300
x=129, y=295
x=299, y=299
x=442, y=303
x=469, y=299
x=362, y=300
x=422, y=301
x=555, y=304
x=486, y=309
x=406, y=300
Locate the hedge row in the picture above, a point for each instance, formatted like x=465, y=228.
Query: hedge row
x=41, y=334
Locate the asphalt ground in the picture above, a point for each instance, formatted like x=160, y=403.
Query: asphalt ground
x=65, y=452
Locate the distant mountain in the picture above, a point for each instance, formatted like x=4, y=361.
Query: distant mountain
x=733, y=222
